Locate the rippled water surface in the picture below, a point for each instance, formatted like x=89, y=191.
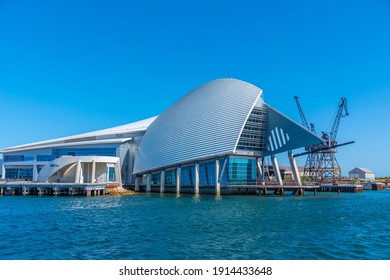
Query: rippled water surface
x=328, y=226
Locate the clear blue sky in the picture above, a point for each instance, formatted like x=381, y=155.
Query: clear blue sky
x=70, y=67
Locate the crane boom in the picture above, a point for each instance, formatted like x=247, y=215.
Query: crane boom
x=303, y=118
x=312, y=128
x=342, y=107
x=321, y=163
x=323, y=148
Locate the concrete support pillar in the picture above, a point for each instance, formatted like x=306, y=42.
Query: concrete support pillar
x=35, y=173
x=162, y=182
x=178, y=180
x=196, y=185
x=78, y=170
x=136, y=184
x=3, y=171
x=277, y=170
x=149, y=183
x=260, y=169
x=118, y=177
x=217, y=182
x=294, y=169
x=93, y=173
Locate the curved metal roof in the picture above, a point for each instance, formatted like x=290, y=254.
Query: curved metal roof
x=204, y=123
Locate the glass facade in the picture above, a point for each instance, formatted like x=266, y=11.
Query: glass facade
x=56, y=153
x=253, y=135
x=242, y=171
x=111, y=174
x=84, y=152
x=19, y=174
x=170, y=177
x=13, y=158
x=156, y=178
x=46, y=157
x=233, y=171
x=187, y=175
x=207, y=174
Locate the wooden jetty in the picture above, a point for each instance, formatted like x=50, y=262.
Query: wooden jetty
x=259, y=189
x=374, y=186
x=97, y=189
x=271, y=189
x=52, y=189
x=349, y=188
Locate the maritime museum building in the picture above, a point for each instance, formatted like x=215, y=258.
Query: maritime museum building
x=213, y=138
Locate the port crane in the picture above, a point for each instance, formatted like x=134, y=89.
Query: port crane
x=321, y=164
x=312, y=157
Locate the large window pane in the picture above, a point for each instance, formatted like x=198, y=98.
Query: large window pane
x=187, y=176
x=84, y=152
x=170, y=177
x=111, y=174
x=19, y=174
x=207, y=174
x=242, y=171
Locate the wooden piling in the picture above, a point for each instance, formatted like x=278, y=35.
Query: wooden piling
x=299, y=192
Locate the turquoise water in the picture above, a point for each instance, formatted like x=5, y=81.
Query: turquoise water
x=328, y=226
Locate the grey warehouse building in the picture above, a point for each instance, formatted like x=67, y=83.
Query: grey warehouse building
x=214, y=138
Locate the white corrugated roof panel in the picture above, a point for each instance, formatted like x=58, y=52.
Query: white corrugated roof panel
x=204, y=123
x=134, y=127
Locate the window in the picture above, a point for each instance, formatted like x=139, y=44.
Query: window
x=84, y=152
x=12, y=158
x=170, y=177
x=46, y=157
x=242, y=171
x=253, y=135
x=111, y=174
x=207, y=173
x=156, y=178
x=187, y=175
x=19, y=174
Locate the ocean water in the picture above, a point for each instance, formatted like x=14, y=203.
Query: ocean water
x=153, y=226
